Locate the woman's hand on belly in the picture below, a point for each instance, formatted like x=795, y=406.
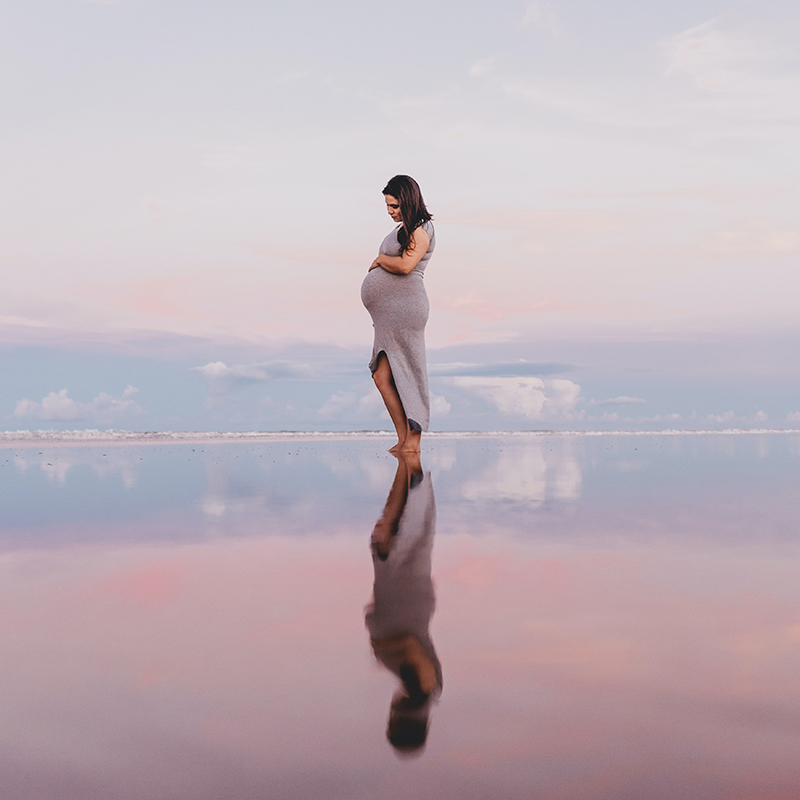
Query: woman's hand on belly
x=374, y=265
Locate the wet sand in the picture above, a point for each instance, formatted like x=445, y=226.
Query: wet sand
x=615, y=617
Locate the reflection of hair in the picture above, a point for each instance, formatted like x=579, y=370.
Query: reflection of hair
x=408, y=725
x=407, y=735
x=412, y=207
x=416, y=697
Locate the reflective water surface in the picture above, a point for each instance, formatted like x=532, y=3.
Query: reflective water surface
x=552, y=617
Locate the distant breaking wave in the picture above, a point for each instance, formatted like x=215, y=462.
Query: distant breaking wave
x=90, y=436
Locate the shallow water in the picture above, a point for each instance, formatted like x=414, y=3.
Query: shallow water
x=616, y=617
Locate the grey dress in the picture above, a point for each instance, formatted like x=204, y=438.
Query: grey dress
x=403, y=597
x=398, y=305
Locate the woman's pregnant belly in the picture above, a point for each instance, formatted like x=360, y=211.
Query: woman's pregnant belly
x=399, y=299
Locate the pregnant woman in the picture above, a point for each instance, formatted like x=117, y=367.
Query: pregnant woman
x=394, y=294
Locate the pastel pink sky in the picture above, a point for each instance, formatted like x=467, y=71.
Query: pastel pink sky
x=591, y=169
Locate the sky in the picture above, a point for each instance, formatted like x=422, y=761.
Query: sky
x=192, y=196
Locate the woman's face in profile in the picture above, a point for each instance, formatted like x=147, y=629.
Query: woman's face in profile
x=393, y=207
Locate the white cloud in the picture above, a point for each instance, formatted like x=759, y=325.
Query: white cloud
x=60, y=406
x=338, y=403
x=481, y=67
x=496, y=368
x=728, y=416
x=263, y=371
x=55, y=405
x=622, y=400
x=541, y=15
x=793, y=416
x=221, y=378
x=439, y=405
x=371, y=403
x=527, y=397
x=353, y=405
x=759, y=418
x=738, y=63
x=723, y=81
x=213, y=506
x=707, y=53
x=667, y=418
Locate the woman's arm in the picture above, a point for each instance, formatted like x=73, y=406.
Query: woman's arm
x=402, y=265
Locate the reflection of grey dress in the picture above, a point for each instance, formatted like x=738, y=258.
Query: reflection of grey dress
x=404, y=600
x=398, y=305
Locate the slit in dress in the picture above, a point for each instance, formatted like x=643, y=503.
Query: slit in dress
x=412, y=423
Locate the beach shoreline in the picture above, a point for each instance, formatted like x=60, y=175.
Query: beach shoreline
x=84, y=438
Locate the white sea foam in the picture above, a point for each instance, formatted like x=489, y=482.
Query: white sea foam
x=10, y=438
x=155, y=437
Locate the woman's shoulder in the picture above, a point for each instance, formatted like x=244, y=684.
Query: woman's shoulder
x=428, y=228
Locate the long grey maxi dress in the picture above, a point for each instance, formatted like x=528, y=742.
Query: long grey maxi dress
x=398, y=305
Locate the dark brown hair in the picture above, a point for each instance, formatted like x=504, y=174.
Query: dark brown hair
x=412, y=207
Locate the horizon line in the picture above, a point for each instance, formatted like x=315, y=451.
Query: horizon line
x=112, y=436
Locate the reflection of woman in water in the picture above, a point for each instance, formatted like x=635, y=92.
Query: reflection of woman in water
x=403, y=602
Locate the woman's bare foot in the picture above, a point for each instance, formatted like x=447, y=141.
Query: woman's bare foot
x=397, y=448
x=412, y=442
